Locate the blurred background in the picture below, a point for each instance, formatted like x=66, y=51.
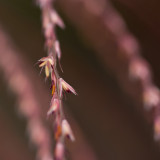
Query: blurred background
x=101, y=40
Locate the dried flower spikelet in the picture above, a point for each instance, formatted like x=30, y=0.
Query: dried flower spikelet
x=151, y=97
x=59, y=151
x=28, y=106
x=43, y=3
x=58, y=131
x=48, y=63
x=44, y=154
x=66, y=130
x=44, y=60
x=53, y=77
x=48, y=31
x=37, y=133
x=53, y=89
x=57, y=49
x=139, y=70
x=55, y=18
x=157, y=128
x=54, y=107
x=64, y=85
x=128, y=45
